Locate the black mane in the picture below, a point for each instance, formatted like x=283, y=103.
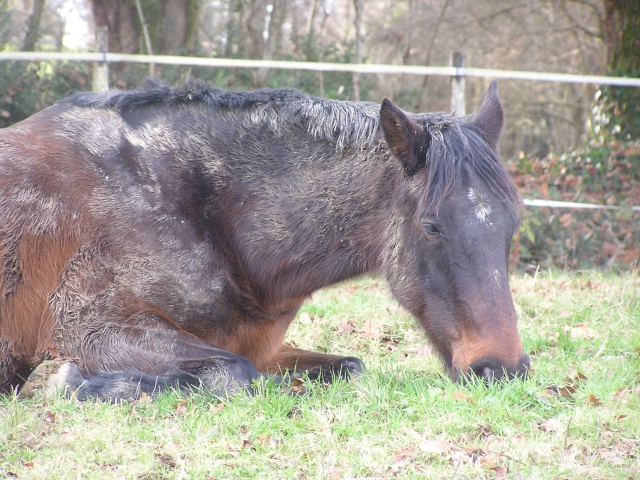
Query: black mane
x=456, y=144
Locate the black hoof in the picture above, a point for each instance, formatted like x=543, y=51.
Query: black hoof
x=344, y=369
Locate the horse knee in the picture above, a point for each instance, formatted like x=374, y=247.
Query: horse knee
x=230, y=375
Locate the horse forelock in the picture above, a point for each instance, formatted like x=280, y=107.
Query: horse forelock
x=457, y=146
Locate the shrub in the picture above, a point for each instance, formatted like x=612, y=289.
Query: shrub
x=602, y=172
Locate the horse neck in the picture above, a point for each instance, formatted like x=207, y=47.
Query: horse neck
x=316, y=224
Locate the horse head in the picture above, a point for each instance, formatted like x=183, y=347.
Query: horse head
x=447, y=248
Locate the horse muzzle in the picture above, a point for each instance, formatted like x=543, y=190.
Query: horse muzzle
x=493, y=370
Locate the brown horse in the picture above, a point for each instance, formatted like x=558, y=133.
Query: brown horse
x=167, y=237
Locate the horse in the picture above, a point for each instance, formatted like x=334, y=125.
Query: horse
x=166, y=237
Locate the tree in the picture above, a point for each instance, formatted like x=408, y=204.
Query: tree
x=33, y=27
x=172, y=25
x=357, y=21
x=621, y=29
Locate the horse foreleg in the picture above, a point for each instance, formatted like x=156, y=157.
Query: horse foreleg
x=314, y=364
x=148, y=355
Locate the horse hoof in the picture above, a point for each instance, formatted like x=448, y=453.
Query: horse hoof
x=51, y=377
x=344, y=369
x=352, y=366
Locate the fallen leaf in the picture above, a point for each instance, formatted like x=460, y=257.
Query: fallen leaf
x=547, y=396
x=543, y=188
x=434, y=447
x=144, y=398
x=404, y=454
x=424, y=350
x=550, y=425
x=67, y=436
x=334, y=473
x=593, y=400
x=180, y=408
x=49, y=417
x=474, y=452
x=610, y=249
x=298, y=385
x=371, y=329
x=460, y=396
x=567, y=391
x=500, y=471
x=247, y=443
x=217, y=407
x=266, y=440
x=347, y=327
x=166, y=460
x=580, y=330
x=566, y=219
x=400, y=460
x=489, y=461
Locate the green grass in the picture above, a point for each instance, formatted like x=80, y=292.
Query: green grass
x=578, y=416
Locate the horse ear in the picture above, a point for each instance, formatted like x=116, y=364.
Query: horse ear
x=407, y=140
x=490, y=117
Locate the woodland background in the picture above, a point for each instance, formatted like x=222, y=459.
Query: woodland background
x=561, y=141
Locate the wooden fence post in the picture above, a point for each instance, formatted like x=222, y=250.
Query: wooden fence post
x=101, y=69
x=458, y=60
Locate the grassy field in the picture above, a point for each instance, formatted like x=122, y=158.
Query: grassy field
x=578, y=416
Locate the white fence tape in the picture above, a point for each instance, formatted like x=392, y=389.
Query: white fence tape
x=558, y=204
x=326, y=67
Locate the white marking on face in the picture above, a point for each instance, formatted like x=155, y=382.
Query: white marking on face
x=480, y=202
x=496, y=277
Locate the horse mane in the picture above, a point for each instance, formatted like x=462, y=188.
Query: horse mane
x=456, y=146
x=342, y=122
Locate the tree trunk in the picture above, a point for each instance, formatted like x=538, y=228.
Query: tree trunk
x=621, y=29
x=33, y=27
x=176, y=22
x=119, y=17
x=326, y=11
x=358, y=5
x=255, y=22
x=274, y=37
x=191, y=28
x=231, y=45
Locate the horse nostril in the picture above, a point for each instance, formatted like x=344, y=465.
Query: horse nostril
x=525, y=362
x=487, y=374
x=491, y=369
x=522, y=370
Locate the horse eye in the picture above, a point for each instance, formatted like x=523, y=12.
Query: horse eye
x=431, y=230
